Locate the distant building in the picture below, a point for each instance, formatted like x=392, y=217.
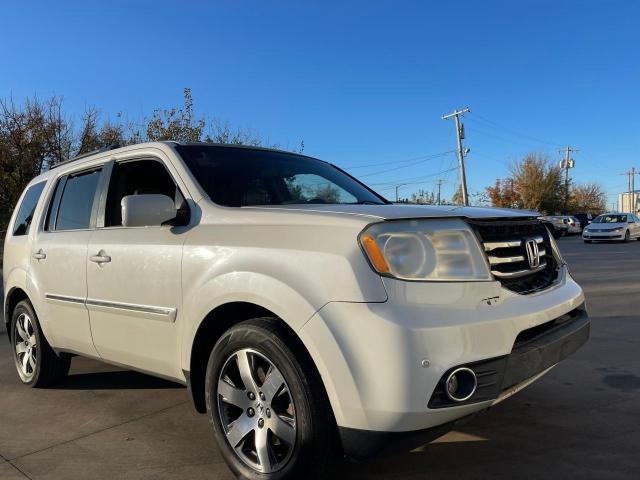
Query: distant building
x=629, y=202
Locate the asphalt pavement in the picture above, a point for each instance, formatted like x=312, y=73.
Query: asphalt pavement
x=579, y=421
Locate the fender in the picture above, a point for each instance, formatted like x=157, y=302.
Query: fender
x=256, y=288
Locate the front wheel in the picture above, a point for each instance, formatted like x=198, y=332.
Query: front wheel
x=627, y=236
x=269, y=412
x=36, y=362
x=587, y=241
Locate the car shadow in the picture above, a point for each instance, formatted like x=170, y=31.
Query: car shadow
x=117, y=380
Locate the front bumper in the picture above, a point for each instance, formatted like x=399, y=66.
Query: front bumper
x=603, y=235
x=382, y=362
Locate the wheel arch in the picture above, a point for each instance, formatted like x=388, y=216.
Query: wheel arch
x=14, y=296
x=213, y=326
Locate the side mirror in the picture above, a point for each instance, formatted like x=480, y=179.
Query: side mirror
x=148, y=210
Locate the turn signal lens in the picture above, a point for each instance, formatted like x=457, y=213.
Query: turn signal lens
x=373, y=252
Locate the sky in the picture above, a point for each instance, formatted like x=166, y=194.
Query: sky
x=363, y=83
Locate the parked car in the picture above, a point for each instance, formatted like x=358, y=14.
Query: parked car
x=613, y=226
x=559, y=226
x=303, y=311
x=584, y=218
x=556, y=233
x=574, y=225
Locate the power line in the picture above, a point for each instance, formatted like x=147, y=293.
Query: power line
x=405, y=166
x=510, y=141
x=391, y=162
x=515, y=132
x=412, y=181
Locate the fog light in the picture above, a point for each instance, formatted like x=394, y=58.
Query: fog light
x=461, y=384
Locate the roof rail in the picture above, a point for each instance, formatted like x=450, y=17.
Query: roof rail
x=84, y=155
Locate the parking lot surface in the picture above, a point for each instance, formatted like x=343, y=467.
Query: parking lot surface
x=579, y=421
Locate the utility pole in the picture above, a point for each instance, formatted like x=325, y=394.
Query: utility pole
x=439, y=182
x=566, y=164
x=631, y=179
x=461, y=152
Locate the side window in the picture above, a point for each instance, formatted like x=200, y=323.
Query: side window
x=27, y=209
x=76, y=197
x=136, y=178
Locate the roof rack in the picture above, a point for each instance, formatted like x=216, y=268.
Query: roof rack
x=84, y=155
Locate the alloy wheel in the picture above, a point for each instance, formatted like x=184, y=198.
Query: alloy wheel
x=256, y=411
x=26, y=347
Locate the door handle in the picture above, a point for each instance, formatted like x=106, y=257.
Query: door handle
x=100, y=258
x=40, y=255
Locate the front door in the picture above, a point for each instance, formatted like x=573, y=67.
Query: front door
x=134, y=277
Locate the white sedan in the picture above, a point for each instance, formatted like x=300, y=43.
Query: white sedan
x=613, y=226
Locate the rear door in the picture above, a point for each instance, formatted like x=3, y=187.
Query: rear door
x=134, y=275
x=58, y=260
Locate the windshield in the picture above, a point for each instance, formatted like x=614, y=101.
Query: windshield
x=238, y=177
x=611, y=219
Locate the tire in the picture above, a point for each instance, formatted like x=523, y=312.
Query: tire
x=587, y=241
x=311, y=449
x=627, y=236
x=42, y=367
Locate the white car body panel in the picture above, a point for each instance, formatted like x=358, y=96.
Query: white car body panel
x=367, y=335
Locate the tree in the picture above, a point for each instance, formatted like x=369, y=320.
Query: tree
x=538, y=184
x=503, y=194
x=457, y=197
x=534, y=184
x=32, y=137
x=37, y=134
x=587, y=198
x=176, y=123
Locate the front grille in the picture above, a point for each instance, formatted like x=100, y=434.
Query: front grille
x=509, y=245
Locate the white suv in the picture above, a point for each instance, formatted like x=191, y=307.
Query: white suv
x=307, y=315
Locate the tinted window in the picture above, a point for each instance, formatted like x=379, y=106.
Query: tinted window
x=77, y=201
x=236, y=177
x=137, y=178
x=27, y=209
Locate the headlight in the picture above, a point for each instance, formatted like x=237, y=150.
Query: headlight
x=429, y=250
x=619, y=229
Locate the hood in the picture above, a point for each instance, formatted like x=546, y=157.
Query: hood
x=399, y=211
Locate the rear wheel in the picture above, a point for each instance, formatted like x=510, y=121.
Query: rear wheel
x=36, y=362
x=269, y=412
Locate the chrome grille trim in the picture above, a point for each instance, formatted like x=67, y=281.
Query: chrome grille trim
x=489, y=246
x=520, y=273
x=509, y=244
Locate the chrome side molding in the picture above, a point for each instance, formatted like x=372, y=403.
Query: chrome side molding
x=166, y=314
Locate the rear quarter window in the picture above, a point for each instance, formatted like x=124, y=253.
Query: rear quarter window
x=27, y=209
